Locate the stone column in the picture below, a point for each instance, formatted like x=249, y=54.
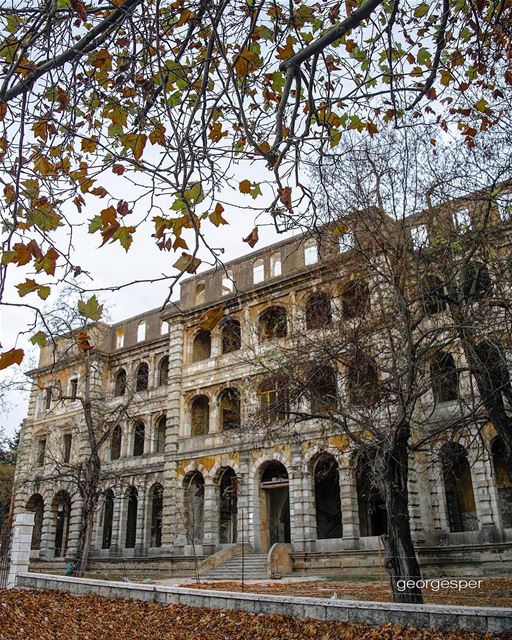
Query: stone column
x=75, y=518
x=20, y=546
x=47, y=531
x=139, y=548
x=419, y=511
x=308, y=510
x=487, y=516
x=349, y=507
x=117, y=543
x=295, y=496
x=245, y=512
x=210, y=519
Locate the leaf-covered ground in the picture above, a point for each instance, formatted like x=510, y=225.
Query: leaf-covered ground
x=494, y=592
x=50, y=615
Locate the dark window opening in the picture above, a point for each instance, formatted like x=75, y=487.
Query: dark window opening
x=108, y=519
x=73, y=388
x=273, y=399
x=445, y=378
x=200, y=416
x=493, y=374
x=476, y=282
x=142, y=377
x=163, y=371
x=272, y=324
x=157, y=505
x=460, y=498
x=47, y=397
x=115, y=445
x=161, y=430
x=202, y=346
x=433, y=295
x=373, y=517
x=228, y=489
x=327, y=498
x=318, y=311
x=120, y=383
x=194, y=507
x=36, y=506
x=138, y=439
x=231, y=335
x=62, y=511
x=355, y=300
x=68, y=439
x=322, y=390
x=41, y=451
x=131, y=518
x=363, y=380
x=503, y=481
x=230, y=409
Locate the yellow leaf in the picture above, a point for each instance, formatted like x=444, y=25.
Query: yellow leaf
x=90, y=144
x=136, y=142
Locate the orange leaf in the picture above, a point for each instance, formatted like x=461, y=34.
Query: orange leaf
x=245, y=186
x=13, y=356
x=285, y=195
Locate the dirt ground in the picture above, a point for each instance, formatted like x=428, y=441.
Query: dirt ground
x=493, y=592
x=51, y=615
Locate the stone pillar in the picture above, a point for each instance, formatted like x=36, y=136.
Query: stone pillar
x=117, y=543
x=139, y=548
x=211, y=519
x=47, y=532
x=245, y=519
x=295, y=496
x=487, y=515
x=419, y=510
x=20, y=546
x=308, y=510
x=349, y=507
x=75, y=521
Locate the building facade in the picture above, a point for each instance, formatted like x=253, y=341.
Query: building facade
x=184, y=475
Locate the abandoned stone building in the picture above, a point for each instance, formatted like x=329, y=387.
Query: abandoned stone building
x=180, y=480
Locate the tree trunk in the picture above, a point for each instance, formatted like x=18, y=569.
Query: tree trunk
x=89, y=491
x=401, y=560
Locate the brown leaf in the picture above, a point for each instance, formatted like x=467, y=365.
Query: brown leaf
x=187, y=263
x=252, y=238
x=13, y=356
x=82, y=341
x=285, y=195
x=211, y=318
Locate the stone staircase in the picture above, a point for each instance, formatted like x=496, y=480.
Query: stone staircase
x=255, y=568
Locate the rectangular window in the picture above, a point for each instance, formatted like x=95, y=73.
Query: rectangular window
x=346, y=241
x=120, y=338
x=164, y=327
x=73, y=388
x=41, y=451
x=275, y=265
x=462, y=220
x=47, y=398
x=310, y=252
x=68, y=439
x=227, y=282
x=258, y=271
x=141, y=331
x=419, y=236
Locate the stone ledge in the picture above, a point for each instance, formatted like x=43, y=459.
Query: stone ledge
x=491, y=619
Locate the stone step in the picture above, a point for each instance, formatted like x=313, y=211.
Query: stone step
x=254, y=568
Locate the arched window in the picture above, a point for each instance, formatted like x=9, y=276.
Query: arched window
x=327, y=498
x=164, y=327
x=363, y=380
x=202, y=346
x=493, y=373
x=273, y=399
x=258, y=271
x=142, y=377
x=36, y=506
x=141, y=331
x=310, y=251
x=373, y=517
x=161, y=430
x=132, y=503
x=503, y=481
x=120, y=387
x=194, y=507
x=115, y=443
x=272, y=324
x=108, y=519
x=231, y=335
x=157, y=504
x=275, y=265
x=163, y=371
x=119, y=337
x=322, y=389
x=355, y=300
x=61, y=508
x=229, y=401
x=318, y=311
x=228, y=489
x=227, y=282
x=275, y=503
x=475, y=280
x=445, y=378
x=460, y=498
x=200, y=416
x=138, y=438
x=433, y=295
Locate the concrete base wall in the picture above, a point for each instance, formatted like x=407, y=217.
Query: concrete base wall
x=481, y=619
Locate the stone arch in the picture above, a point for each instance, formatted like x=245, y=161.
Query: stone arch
x=373, y=517
x=160, y=433
x=326, y=481
x=228, y=504
x=108, y=518
x=163, y=371
x=142, y=377
x=35, y=504
x=193, y=485
x=61, y=509
x=201, y=346
x=156, y=498
x=458, y=485
x=120, y=382
x=274, y=502
x=199, y=415
x=131, y=498
x=503, y=481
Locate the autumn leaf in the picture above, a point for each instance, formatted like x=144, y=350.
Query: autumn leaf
x=48, y=262
x=90, y=309
x=245, y=186
x=216, y=216
x=157, y=136
x=285, y=196
x=13, y=356
x=118, y=169
x=30, y=285
x=90, y=144
x=82, y=341
x=136, y=142
x=252, y=238
x=187, y=263
x=39, y=339
x=211, y=318
x=44, y=166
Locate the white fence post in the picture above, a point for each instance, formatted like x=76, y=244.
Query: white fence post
x=20, y=546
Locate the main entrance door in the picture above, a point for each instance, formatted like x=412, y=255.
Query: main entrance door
x=275, y=505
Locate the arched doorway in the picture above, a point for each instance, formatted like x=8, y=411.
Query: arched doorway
x=157, y=505
x=327, y=498
x=460, y=498
x=503, y=481
x=373, y=517
x=62, y=509
x=275, y=504
x=131, y=517
x=227, y=506
x=194, y=507
x=36, y=506
x=108, y=518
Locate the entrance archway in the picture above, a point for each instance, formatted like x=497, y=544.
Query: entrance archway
x=36, y=506
x=227, y=506
x=62, y=510
x=274, y=504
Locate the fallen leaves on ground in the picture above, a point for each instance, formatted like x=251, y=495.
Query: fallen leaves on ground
x=494, y=592
x=51, y=615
